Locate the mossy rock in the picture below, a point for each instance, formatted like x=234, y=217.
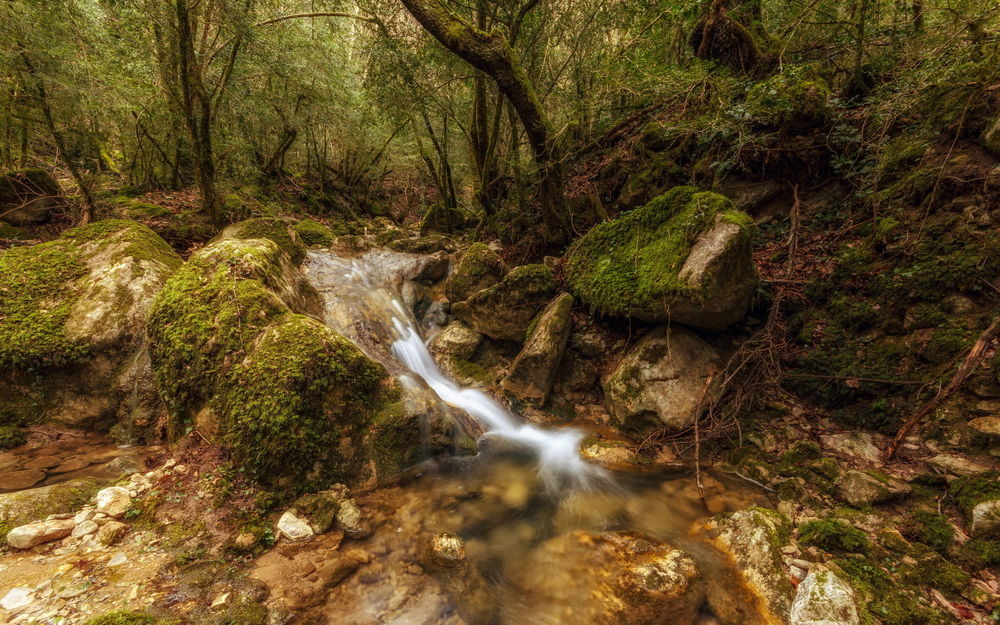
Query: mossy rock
x=122, y=617
x=73, y=329
x=534, y=369
x=314, y=233
x=12, y=436
x=279, y=231
x=444, y=219
x=34, y=504
x=479, y=268
x=684, y=257
x=28, y=196
x=12, y=233
x=797, y=99
x=833, y=535
x=991, y=136
x=506, y=309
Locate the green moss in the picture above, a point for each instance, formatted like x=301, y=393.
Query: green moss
x=11, y=436
x=479, y=268
x=131, y=208
x=290, y=398
x=314, y=233
x=8, y=231
x=979, y=553
x=931, y=528
x=207, y=315
x=471, y=371
x=833, y=535
x=633, y=262
x=241, y=613
x=275, y=230
x=971, y=490
x=933, y=571
x=798, y=97
x=888, y=602
x=21, y=508
x=122, y=617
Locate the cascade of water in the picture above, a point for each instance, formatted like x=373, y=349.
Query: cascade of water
x=559, y=461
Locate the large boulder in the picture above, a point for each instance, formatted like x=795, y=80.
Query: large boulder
x=797, y=98
x=446, y=219
x=752, y=541
x=478, y=269
x=72, y=332
x=505, y=310
x=864, y=488
x=28, y=196
x=661, y=379
x=534, y=369
x=684, y=257
x=610, y=578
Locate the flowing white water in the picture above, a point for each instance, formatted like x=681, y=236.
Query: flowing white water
x=352, y=282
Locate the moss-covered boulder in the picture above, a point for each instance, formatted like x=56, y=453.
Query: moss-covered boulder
x=505, y=310
x=991, y=137
x=534, y=369
x=179, y=228
x=28, y=196
x=479, y=268
x=35, y=504
x=311, y=232
x=684, y=257
x=796, y=99
x=445, y=219
x=660, y=381
x=238, y=344
x=72, y=332
x=752, y=541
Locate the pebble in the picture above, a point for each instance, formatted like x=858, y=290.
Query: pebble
x=17, y=598
x=118, y=559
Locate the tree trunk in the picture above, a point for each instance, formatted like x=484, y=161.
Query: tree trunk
x=490, y=53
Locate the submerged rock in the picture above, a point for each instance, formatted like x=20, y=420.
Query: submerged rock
x=660, y=380
x=534, y=369
x=752, y=540
x=478, y=269
x=824, y=599
x=72, y=336
x=505, y=310
x=685, y=258
x=610, y=578
x=28, y=196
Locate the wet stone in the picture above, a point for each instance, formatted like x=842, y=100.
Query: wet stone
x=19, y=480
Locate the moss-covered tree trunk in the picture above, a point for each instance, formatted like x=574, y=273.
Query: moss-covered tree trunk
x=490, y=52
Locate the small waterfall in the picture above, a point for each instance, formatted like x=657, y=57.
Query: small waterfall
x=361, y=304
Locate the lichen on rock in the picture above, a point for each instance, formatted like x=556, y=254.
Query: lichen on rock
x=683, y=257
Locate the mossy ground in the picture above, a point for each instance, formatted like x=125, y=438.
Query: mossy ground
x=633, y=262
x=313, y=232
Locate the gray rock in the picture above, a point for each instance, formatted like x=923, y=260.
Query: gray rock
x=456, y=339
x=113, y=501
x=505, y=310
x=27, y=536
x=824, y=599
x=292, y=528
x=660, y=380
x=862, y=488
x=478, y=269
x=534, y=369
x=957, y=465
x=986, y=518
x=84, y=528
x=855, y=444
x=351, y=520
x=752, y=540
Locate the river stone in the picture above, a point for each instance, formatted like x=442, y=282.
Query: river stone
x=856, y=444
x=456, y=339
x=113, y=501
x=824, y=599
x=957, y=465
x=28, y=196
x=989, y=426
x=17, y=598
x=293, y=528
x=864, y=488
x=479, y=268
x=752, y=540
x=505, y=310
x=111, y=532
x=534, y=369
x=609, y=578
x=660, y=380
x=27, y=536
x=350, y=519
x=986, y=518
x=84, y=528
x=684, y=257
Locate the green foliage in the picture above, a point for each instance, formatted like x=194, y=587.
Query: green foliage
x=833, y=535
x=11, y=436
x=932, y=529
x=633, y=262
x=797, y=97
